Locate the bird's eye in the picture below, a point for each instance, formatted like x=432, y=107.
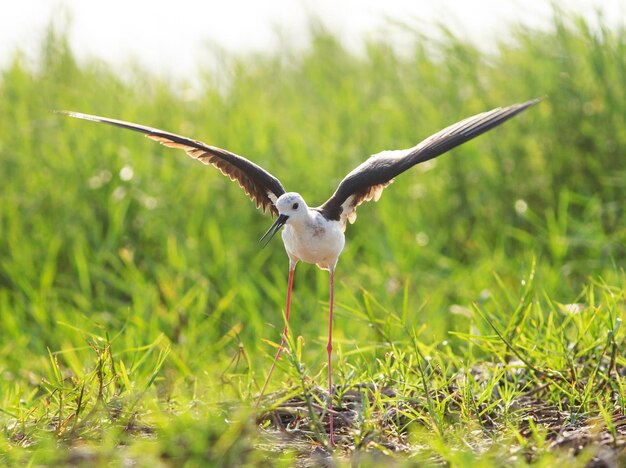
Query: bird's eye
x=295, y=206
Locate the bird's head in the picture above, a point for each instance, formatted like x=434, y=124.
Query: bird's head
x=290, y=206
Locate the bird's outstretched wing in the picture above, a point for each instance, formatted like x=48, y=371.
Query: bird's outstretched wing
x=261, y=186
x=367, y=181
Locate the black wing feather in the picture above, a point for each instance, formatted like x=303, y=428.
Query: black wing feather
x=367, y=181
x=261, y=186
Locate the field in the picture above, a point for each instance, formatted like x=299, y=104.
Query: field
x=479, y=302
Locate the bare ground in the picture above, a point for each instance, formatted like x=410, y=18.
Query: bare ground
x=301, y=425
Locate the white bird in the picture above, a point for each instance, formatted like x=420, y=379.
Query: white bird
x=316, y=235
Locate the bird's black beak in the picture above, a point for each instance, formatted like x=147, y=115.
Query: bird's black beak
x=274, y=228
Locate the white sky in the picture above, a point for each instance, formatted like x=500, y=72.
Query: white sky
x=172, y=37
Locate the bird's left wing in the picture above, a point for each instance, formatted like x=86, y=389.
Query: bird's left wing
x=367, y=181
x=261, y=186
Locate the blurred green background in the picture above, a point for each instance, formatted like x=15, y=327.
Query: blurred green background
x=110, y=241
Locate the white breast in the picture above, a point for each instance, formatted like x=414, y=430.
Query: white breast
x=314, y=239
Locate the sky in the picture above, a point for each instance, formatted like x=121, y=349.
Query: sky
x=174, y=37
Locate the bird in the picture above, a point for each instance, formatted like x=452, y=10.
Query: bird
x=316, y=235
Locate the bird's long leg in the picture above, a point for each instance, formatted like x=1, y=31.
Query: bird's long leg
x=329, y=348
x=292, y=268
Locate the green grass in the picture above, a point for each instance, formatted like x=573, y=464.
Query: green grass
x=479, y=301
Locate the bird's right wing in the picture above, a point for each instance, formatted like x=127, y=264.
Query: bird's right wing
x=367, y=181
x=261, y=186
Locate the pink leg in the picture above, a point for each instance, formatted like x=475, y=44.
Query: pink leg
x=284, y=336
x=329, y=348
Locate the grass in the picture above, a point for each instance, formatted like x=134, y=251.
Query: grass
x=479, y=301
